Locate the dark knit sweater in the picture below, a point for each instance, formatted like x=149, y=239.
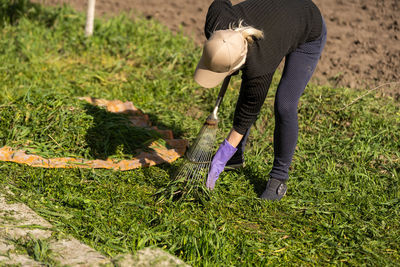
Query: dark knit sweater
x=286, y=25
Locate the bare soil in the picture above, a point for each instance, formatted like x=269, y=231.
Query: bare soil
x=362, y=50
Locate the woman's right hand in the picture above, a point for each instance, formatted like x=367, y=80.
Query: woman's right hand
x=224, y=153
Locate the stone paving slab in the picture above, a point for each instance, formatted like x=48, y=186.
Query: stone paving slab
x=19, y=224
x=22, y=230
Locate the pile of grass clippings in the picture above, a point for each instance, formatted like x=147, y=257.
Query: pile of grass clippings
x=52, y=125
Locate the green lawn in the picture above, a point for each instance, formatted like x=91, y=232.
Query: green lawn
x=343, y=201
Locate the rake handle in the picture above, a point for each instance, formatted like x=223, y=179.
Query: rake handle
x=213, y=118
x=222, y=91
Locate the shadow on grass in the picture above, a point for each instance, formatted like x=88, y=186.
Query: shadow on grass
x=13, y=10
x=259, y=183
x=113, y=135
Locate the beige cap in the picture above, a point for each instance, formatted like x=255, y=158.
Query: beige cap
x=224, y=53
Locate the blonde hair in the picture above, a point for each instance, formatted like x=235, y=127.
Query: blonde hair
x=249, y=33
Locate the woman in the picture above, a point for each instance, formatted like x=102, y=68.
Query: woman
x=254, y=36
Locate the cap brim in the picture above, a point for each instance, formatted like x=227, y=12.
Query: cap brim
x=207, y=78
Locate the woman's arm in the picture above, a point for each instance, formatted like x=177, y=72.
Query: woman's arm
x=251, y=98
x=234, y=138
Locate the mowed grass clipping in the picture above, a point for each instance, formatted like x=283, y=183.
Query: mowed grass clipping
x=343, y=201
x=51, y=125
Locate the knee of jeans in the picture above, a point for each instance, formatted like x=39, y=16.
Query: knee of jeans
x=286, y=110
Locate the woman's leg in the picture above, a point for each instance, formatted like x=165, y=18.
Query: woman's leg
x=299, y=67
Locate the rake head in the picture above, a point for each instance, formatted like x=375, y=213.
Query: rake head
x=198, y=157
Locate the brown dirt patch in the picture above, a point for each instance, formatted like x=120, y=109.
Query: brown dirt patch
x=362, y=50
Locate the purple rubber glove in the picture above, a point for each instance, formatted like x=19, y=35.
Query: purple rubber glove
x=224, y=153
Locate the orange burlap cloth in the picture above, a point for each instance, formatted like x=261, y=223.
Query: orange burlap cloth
x=158, y=154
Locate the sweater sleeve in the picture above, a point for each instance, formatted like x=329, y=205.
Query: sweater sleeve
x=219, y=16
x=251, y=98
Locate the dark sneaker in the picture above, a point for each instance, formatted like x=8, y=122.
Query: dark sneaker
x=275, y=190
x=235, y=163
